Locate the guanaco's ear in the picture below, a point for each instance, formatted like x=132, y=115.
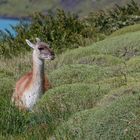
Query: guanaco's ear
x=38, y=39
x=30, y=44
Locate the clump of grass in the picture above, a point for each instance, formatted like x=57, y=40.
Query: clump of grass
x=63, y=101
x=69, y=74
x=134, y=64
x=127, y=29
x=100, y=60
x=12, y=121
x=120, y=120
x=113, y=95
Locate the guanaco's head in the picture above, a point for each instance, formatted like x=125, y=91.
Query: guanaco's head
x=41, y=49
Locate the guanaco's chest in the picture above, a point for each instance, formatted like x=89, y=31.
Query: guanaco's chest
x=30, y=97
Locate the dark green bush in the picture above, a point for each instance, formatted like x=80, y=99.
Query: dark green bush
x=108, y=21
x=62, y=31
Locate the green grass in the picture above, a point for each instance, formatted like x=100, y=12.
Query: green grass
x=128, y=29
x=120, y=120
x=95, y=94
x=123, y=47
x=63, y=101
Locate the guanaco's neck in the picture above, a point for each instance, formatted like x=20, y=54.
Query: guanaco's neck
x=38, y=72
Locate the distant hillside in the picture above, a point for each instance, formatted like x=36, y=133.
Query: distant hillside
x=83, y=7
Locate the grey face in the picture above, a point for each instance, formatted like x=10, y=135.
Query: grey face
x=42, y=50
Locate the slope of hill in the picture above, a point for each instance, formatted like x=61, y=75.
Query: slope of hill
x=18, y=8
x=95, y=94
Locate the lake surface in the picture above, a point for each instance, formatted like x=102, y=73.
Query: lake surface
x=5, y=24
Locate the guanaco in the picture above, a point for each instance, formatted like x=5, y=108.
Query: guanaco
x=30, y=87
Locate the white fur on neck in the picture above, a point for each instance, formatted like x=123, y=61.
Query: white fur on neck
x=37, y=60
x=37, y=87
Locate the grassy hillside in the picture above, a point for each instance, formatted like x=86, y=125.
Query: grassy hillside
x=128, y=29
x=95, y=94
x=26, y=7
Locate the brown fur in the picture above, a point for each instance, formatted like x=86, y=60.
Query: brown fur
x=23, y=84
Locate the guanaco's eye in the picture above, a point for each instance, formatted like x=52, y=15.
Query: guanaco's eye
x=41, y=49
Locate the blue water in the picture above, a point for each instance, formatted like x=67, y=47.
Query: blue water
x=5, y=24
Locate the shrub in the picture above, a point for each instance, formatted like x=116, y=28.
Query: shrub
x=62, y=31
x=12, y=121
x=65, y=100
x=108, y=21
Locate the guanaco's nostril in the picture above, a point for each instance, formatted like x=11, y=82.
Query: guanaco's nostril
x=53, y=55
